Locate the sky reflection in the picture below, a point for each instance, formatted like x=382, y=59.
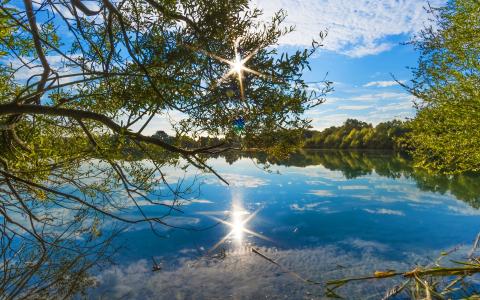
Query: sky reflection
x=309, y=218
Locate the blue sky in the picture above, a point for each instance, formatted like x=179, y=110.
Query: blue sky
x=364, y=87
x=361, y=51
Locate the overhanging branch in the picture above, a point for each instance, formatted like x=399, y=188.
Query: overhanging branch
x=14, y=109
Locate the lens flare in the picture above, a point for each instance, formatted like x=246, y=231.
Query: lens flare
x=237, y=65
x=238, y=226
x=239, y=218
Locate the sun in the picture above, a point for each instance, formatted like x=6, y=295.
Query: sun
x=237, y=66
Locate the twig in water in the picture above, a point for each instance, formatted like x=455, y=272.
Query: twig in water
x=294, y=274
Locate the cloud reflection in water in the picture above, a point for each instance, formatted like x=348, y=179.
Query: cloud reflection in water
x=244, y=275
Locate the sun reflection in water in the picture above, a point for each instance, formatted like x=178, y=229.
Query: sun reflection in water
x=239, y=218
x=238, y=226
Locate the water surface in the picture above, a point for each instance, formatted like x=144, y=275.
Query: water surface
x=320, y=214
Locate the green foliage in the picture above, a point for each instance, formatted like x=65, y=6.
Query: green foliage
x=129, y=73
x=354, y=134
x=73, y=146
x=6, y=29
x=445, y=134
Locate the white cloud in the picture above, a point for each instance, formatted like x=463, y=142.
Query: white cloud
x=328, y=120
x=368, y=246
x=238, y=180
x=382, y=96
x=164, y=121
x=182, y=202
x=353, y=187
x=384, y=211
x=321, y=193
x=356, y=27
x=65, y=9
x=181, y=221
x=354, y=107
x=464, y=210
x=382, y=83
x=245, y=275
x=370, y=49
x=317, y=182
x=368, y=107
x=33, y=68
x=309, y=206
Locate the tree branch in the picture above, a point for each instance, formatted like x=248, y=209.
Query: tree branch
x=78, y=4
x=13, y=108
x=38, y=47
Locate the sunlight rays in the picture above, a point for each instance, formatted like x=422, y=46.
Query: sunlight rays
x=239, y=218
x=237, y=66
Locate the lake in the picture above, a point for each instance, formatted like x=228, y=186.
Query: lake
x=319, y=215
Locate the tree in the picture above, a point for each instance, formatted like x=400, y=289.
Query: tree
x=163, y=136
x=354, y=134
x=445, y=133
x=69, y=128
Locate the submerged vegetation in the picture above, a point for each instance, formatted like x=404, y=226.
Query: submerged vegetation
x=438, y=280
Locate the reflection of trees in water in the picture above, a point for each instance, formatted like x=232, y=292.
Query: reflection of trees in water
x=392, y=165
x=45, y=253
x=463, y=187
x=47, y=246
x=54, y=233
x=53, y=269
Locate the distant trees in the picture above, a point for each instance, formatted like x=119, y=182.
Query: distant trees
x=186, y=141
x=446, y=132
x=354, y=134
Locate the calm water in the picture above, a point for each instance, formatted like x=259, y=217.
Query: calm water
x=323, y=215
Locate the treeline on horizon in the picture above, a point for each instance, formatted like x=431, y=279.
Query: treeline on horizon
x=354, y=163
x=353, y=134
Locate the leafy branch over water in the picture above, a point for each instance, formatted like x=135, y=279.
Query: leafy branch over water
x=71, y=102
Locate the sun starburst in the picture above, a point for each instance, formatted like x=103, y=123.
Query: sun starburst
x=237, y=66
x=239, y=218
